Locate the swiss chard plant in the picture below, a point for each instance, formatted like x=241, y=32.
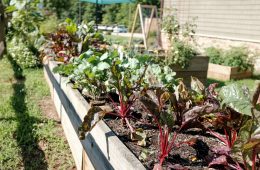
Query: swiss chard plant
x=127, y=79
x=240, y=121
x=158, y=104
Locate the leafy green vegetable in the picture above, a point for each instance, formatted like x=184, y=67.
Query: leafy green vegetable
x=237, y=97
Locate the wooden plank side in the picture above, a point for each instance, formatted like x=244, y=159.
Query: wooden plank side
x=86, y=163
x=198, y=63
x=72, y=137
x=219, y=69
x=102, y=147
x=226, y=73
x=69, y=123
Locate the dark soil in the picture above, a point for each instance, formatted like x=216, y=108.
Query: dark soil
x=183, y=157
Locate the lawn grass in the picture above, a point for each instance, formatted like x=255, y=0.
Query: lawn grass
x=251, y=83
x=29, y=140
x=116, y=39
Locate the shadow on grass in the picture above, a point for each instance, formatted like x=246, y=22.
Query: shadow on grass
x=33, y=157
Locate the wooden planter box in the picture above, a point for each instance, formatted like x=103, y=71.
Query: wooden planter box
x=102, y=149
x=224, y=73
x=198, y=68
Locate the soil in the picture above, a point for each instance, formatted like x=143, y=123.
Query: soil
x=183, y=157
x=48, y=110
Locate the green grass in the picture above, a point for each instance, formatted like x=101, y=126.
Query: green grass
x=250, y=83
x=116, y=39
x=28, y=139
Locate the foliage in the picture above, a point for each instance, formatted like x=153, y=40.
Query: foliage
x=242, y=118
x=49, y=25
x=180, y=36
x=180, y=54
x=237, y=57
x=71, y=41
x=234, y=57
x=155, y=104
x=60, y=45
x=23, y=32
x=215, y=55
x=92, y=71
x=21, y=54
x=94, y=115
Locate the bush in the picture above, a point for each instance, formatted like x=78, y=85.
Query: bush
x=237, y=57
x=215, y=55
x=181, y=53
x=49, y=25
x=234, y=57
x=21, y=54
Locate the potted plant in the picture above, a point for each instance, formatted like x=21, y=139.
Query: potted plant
x=180, y=53
x=228, y=64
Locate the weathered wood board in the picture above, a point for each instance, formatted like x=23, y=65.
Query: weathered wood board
x=101, y=149
x=198, y=68
x=225, y=73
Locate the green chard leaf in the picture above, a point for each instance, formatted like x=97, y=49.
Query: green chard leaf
x=236, y=97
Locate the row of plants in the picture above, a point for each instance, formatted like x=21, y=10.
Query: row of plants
x=137, y=83
x=234, y=57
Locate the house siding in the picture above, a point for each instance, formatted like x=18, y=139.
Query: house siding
x=227, y=19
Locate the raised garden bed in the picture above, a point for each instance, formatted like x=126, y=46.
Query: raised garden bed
x=225, y=73
x=198, y=68
x=101, y=148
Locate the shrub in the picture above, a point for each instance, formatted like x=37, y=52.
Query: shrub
x=215, y=55
x=180, y=36
x=22, y=55
x=234, y=57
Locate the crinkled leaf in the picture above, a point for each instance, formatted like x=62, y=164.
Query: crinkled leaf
x=140, y=136
x=164, y=98
x=86, y=54
x=150, y=105
x=145, y=153
x=153, y=96
x=221, y=160
x=237, y=97
x=94, y=115
x=167, y=118
x=257, y=107
x=103, y=66
x=243, y=136
x=196, y=85
x=190, y=117
x=181, y=91
x=256, y=96
x=104, y=56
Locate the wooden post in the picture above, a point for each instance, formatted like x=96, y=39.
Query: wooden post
x=133, y=27
x=145, y=32
x=158, y=29
x=142, y=25
x=150, y=23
